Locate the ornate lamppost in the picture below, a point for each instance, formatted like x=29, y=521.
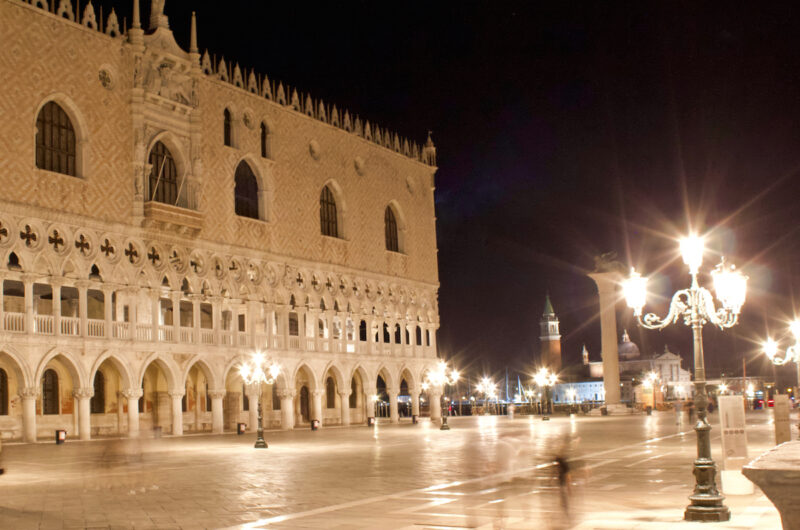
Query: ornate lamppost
x=695, y=306
x=259, y=370
x=440, y=378
x=792, y=353
x=544, y=380
x=486, y=387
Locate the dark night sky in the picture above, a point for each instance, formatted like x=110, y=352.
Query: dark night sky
x=563, y=129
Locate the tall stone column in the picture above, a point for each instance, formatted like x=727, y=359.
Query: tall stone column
x=177, y=412
x=132, y=395
x=28, y=281
x=55, y=285
x=414, y=401
x=155, y=314
x=108, y=293
x=83, y=396
x=29, y=396
x=344, y=401
x=287, y=408
x=216, y=410
x=316, y=405
x=606, y=289
x=83, y=313
x=394, y=415
x=176, y=315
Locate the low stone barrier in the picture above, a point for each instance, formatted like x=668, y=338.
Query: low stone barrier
x=777, y=473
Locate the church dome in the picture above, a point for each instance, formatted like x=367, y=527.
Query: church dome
x=627, y=349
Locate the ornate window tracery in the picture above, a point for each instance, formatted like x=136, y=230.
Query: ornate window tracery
x=246, y=191
x=55, y=140
x=390, y=229
x=327, y=213
x=163, y=175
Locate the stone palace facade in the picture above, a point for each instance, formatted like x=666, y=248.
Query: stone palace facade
x=164, y=215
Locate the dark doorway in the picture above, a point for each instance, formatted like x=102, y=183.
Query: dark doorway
x=304, y=414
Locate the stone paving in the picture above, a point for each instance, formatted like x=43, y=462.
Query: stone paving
x=487, y=472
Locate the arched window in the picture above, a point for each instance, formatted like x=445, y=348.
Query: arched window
x=390, y=225
x=294, y=327
x=163, y=175
x=245, y=193
x=264, y=140
x=98, y=401
x=55, y=140
x=227, y=126
x=327, y=213
x=276, y=400
x=386, y=337
x=245, y=399
x=427, y=337
x=50, y=392
x=419, y=336
x=398, y=337
x=353, y=394
x=330, y=393
x=3, y=393
x=362, y=331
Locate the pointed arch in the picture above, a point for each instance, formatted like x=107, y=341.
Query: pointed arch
x=124, y=371
x=21, y=369
x=68, y=360
x=167, y=366
x=252, y=188
x=313, y=378
x=58, y=117
x=389, y=378
x=208, y=371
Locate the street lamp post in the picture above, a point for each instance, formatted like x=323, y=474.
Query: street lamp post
x=488, y=389
x=792, y=352
x=440, y=378
x=545, y=379
x=255, y=372
x=695, y=306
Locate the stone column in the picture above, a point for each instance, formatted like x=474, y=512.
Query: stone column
x=316, y=405
x=83, y=288
x=254, y=395
x=177, y=412
x=29, y=396
x=155, y=313
x=133, y=312
x=2, y=308
x=132, y=395
x=344, y=402
x=216, y=318
x=196, y=298
x=307, y=321
x=606, y=288
x=83, y=396
x=435, y=404
x=393, y=412
x=176, y=315
x=55, y=285
x=216, y=410
x=28, y=281
x=414, y=401
x=108, y=294
x=287, y=408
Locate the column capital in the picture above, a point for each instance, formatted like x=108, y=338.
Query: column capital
x=286, y=393
x=30, y=392
x=132, y=393
x=83, y=284
x=317, y=393
x=176, y=394
x=29, y=277
x=217, y=394
x=344, y=393
x=56, y=281
x=83, y=393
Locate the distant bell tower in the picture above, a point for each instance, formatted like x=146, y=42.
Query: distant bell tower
x=550, y=338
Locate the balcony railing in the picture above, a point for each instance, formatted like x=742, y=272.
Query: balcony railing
x=95, y=328
x=70, y=326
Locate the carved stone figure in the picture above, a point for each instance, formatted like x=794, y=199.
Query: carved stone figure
x=607, y=262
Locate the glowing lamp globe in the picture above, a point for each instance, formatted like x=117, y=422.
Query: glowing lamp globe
x=795, y=328
x=635, y=291
x=730, y=285
x=692, y=248
x=771, y=348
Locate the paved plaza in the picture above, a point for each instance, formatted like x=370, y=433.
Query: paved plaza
x=487, y=472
